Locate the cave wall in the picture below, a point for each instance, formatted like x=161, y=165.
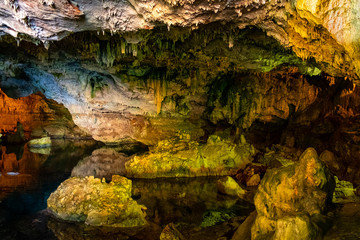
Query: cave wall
x=150, y=84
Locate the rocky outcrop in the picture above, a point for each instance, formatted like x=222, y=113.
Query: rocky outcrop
x=35, y=113
x=229, y=186
x=97, y=203
x=184, y=158
x=290, y=199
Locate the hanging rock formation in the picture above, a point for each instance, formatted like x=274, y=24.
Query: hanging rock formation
x=325, y=30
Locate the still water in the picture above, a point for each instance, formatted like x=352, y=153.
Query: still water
x=28, y=178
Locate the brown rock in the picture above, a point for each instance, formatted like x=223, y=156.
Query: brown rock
x=251, y=174
x=287, y=196
x=244, y=230
x=171, y=233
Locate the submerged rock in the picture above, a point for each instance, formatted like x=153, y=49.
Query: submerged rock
x=97, y=203
x=229, y=186
x=40, y=142
x=183, y=158
x=288, y=198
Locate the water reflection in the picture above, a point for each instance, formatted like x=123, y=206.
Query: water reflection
x=19, y=169
x=26, y=181
x=28, y=178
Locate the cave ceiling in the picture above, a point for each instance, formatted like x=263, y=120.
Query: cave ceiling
x=324, y=30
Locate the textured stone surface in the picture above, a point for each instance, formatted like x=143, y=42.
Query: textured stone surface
x=184, y=158
x=97, y=203
x=40, y=142
x=289, y=196
x=171, y=233
x=325, y=30
x=35, y=112
x=229, y=186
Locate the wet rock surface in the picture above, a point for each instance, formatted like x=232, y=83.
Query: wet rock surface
x=97, y=203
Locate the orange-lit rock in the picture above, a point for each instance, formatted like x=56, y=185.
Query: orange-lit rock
x=19, y=173
x=38, y=114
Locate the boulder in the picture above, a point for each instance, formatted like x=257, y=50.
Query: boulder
x=185, y=158
x=288, y=198
x=43, y=142
x=229, y=186
x=97, y=203
x=251, y=174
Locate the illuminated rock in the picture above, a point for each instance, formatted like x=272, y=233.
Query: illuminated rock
x=229, y=186
x=97, y=203
x=184, y=158
x=288, y=198
x=40, y=142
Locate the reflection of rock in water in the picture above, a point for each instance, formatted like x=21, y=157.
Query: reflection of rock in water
x=183, y=200
x=20, y=173
x=103, y=163
x=77, y=231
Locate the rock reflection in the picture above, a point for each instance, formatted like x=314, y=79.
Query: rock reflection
x=103, y=163
x=107, y=161
x=183, y=199
x=19, y=173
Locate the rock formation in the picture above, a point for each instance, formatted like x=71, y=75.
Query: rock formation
x=97, y=203
x=183, y=158
x=36, y=114
x=190, y=79
x=290, y=199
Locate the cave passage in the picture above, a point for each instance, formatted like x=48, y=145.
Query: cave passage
x=236, y=122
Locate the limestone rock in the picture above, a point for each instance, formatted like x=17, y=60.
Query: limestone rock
x=288, y=196
x=229, y=186
x=332, y=162
x=35, y=112
x=251, y=174
x=171, y=233
x=244, y=230
x=344, y=192
x=40, y=142
x=253, y=181
x=294, y=227
x=179, y=158
x=97, y=203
